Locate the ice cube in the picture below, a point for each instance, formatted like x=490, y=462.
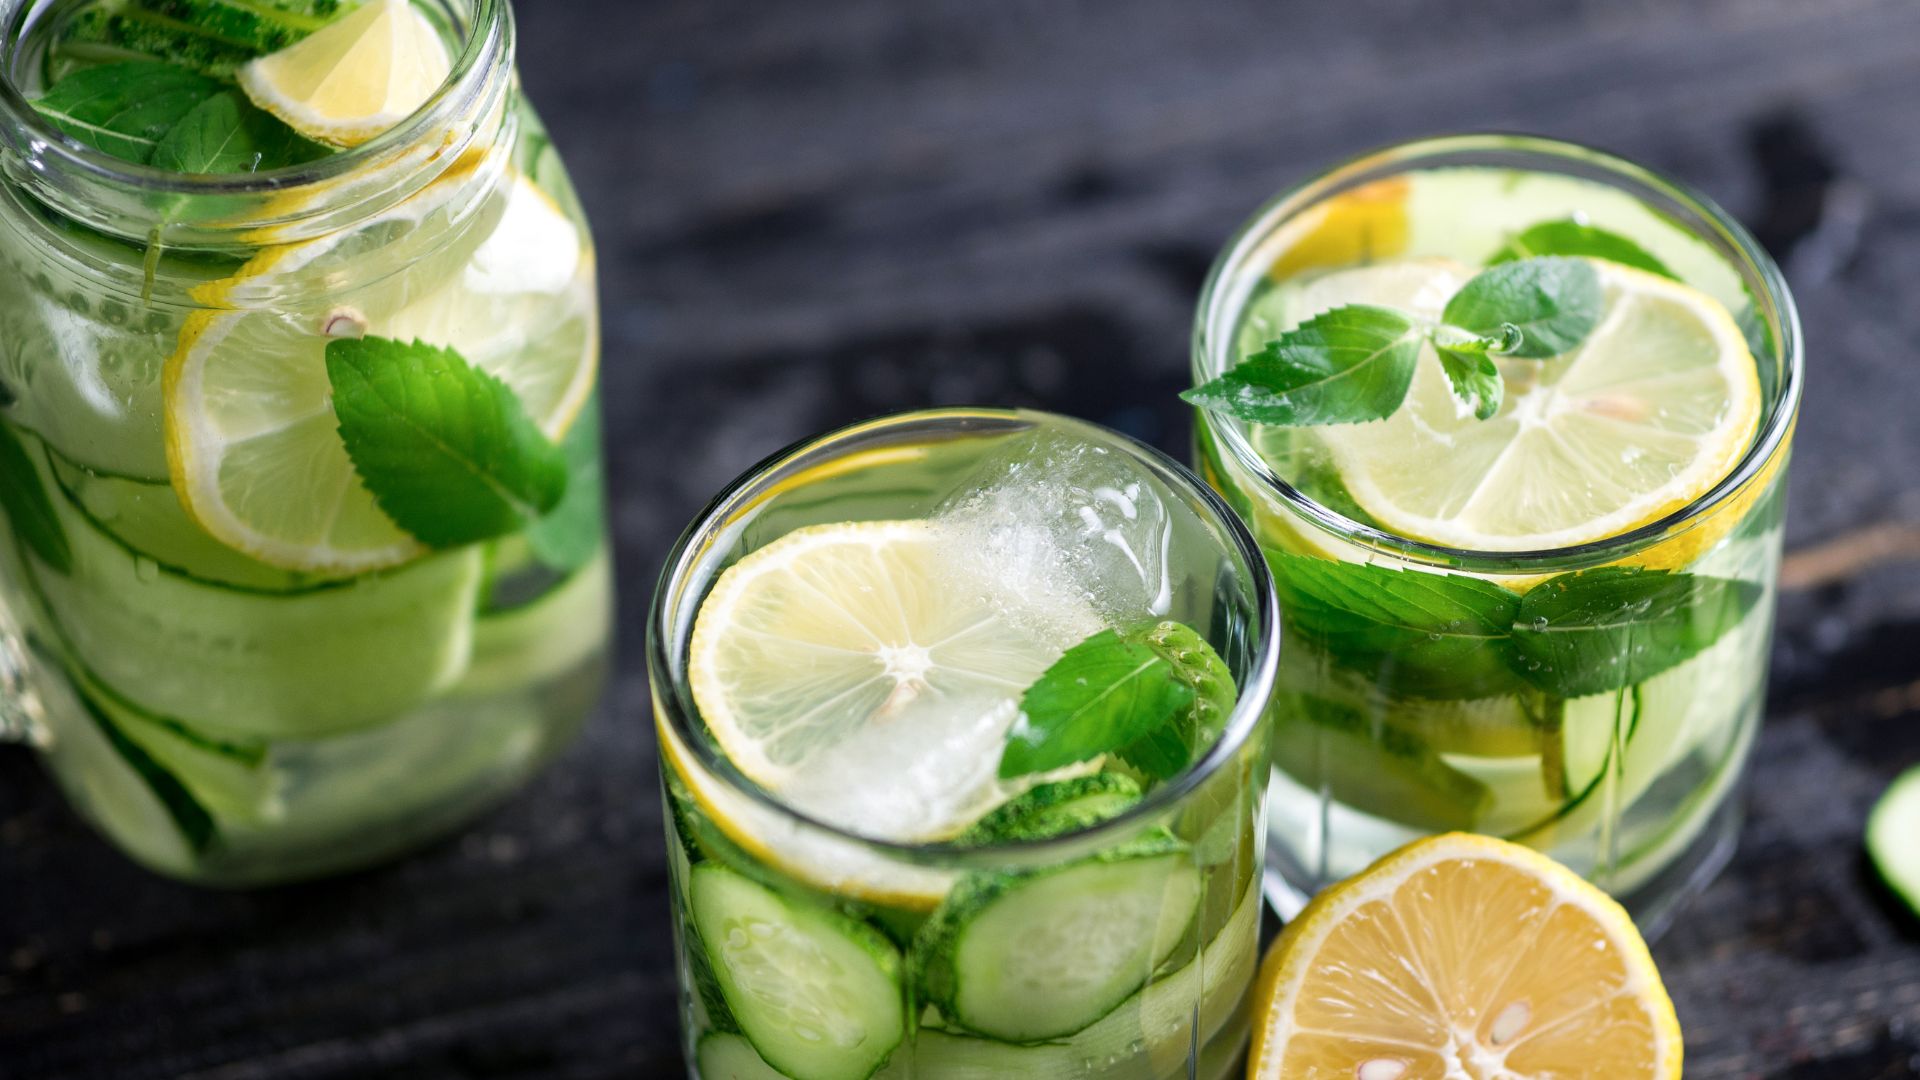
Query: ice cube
x=1066, y=534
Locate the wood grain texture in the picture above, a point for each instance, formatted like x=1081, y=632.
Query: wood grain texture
x=811, y=213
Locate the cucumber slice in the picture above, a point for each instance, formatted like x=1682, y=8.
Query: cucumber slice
x=816, y=992
x=148, y=520
x=1893, y=837
x=730, y=1057
x=232, y=662
x=1025, y=957
x=1148, y=1037
x=115, y=784
x=524, y=646
x=1054, y=809
x=1374, y=768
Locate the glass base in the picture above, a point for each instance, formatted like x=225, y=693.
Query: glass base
x=1653, y=902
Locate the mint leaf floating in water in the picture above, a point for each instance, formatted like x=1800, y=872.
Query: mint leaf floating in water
x=572, y=532
x=227, y=134
x=1571, y=237
x=1534, y=309
x=1350, y=364
x=446, y=449
x=1354, y=363
x=1102, y=694
x=1166, y=750
x=1605, y=629
x=214, y=37
x=125, y=109
x=28, y=509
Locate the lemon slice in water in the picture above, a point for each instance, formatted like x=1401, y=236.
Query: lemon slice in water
x=842, y=668
x=1653, y=409
x=355, y=78
x=253, y=445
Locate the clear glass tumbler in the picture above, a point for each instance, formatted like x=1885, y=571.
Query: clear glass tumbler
x=1119, y=942
x=1613, y=740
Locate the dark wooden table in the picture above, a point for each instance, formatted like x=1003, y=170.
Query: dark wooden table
x=808, y=213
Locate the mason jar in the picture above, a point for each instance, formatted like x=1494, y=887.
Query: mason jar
x=229, y=653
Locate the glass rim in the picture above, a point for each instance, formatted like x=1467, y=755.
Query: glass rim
x=673, y=697
x=1400, y=157
x=488, y=45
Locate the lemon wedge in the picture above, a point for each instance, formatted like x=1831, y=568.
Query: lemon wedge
x=253, y=446
x=1645, y=416
x=355, y=78
x=1458, y=957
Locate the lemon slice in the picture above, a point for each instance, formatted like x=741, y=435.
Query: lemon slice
x=1652, y=410
x=1460, y=957
x=253, y=446
x=355, y=78
x=845, y=669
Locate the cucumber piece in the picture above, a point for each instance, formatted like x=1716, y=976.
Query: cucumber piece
x=1054, y=809
x=1032, y=956
x=817, y=993
x=148, y=520
x=730, y=1057
x=235, y=663
x=1148, y=1037
x=115, y=784
x=1374, y=768
x=1893, y=837
x=550, y=637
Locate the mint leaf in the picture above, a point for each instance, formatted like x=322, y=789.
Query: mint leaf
x=1570, y=237
x=572, y=532
x=1429, y=635
x=446, y=449
x=1601, y=630
x=1165, y=751
x=1342, y=366
x=226, y=134
x=1474, y=376
x=1542, y=307
x=213, y=37
x=1102, y=694
x=124, y=109
x=27, y=507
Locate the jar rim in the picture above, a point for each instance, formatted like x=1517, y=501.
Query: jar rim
x=667, y=638
x=1214, y=321
x=483, y=60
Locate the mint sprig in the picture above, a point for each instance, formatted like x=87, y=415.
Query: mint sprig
x=1454, y=637
x=1152, y=695
x=151, y=113
x=446, y=449
x=1355, y=362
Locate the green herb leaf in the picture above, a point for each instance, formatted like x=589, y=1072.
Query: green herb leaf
x=213, y=37
x=225, y=134
x=1601, y=630
x=28, y=509
x=1343, y=366
x=446, y=449
x=572, y=532
x=1428, y=635
x=1102, y=694
x=125, y=109
x=1474, y=376
x=1544, y=307
x=1570, y=237
x=1165, y=751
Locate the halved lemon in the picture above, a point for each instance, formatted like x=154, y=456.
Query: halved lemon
x=355, y=78
x=1460, y=957
x=1653, y=409
x=253, y=446
x=844, y=668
